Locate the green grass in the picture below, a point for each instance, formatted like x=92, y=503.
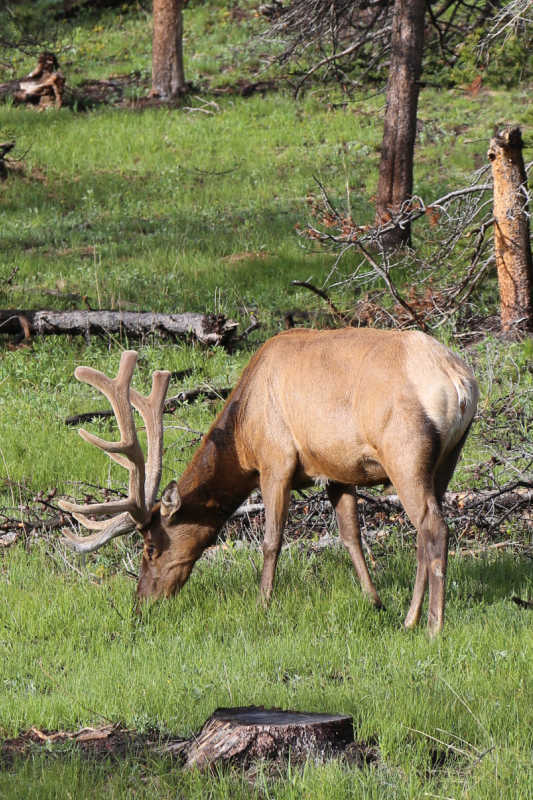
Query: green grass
x=318, y=647
x=176, y=210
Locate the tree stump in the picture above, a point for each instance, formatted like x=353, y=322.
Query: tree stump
x=255, y=732
x=43, y=87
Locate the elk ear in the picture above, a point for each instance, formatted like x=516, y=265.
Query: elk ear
x=170, y=500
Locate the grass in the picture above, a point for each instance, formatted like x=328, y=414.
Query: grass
x=173, y=210
x=319, y=646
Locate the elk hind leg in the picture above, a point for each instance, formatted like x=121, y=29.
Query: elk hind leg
x=344, y=501
x=425, y=513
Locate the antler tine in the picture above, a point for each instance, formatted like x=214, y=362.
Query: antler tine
x=81, y=511
x=110, y=529
x=151, y=410
x=117, y=391
x=127, y=452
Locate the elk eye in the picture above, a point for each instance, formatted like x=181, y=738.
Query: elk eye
x=150, y=550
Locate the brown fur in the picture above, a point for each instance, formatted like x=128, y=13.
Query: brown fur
x=351, y=407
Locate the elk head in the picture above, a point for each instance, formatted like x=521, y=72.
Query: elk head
x=163, y=569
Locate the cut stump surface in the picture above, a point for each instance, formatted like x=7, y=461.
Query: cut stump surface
x=255, y=732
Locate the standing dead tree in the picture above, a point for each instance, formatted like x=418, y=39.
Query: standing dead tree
x=511, y=231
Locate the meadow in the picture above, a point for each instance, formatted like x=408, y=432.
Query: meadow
x=182, y=210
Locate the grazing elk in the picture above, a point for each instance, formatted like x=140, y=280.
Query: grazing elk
x=352, y=407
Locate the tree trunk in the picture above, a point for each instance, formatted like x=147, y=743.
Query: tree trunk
x=205, y=328
x=395, y=184
x=247, y=734
x=168, y=76
x=511, y=231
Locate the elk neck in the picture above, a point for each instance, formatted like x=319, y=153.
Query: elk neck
x=215, y=483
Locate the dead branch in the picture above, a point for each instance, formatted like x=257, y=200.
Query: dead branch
x=340, y=32
x=321, y=293
x=171, y=403
x=207, y=329
x=455, y=231
x=392, y=288
x=522, y=603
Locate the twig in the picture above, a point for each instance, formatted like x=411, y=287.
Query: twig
x=182, y=397
x=393, y=290
x=321, y=293
x=476, y=551
x=522, y=603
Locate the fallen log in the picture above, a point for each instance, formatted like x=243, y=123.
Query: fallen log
x=255, y=732
x=205, y=328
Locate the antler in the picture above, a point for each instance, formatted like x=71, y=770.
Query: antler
x=135, y=510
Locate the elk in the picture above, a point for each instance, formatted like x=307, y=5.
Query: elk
x=349, y=407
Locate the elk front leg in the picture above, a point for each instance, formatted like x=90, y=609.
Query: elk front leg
x=344, y=501
x=276, y=493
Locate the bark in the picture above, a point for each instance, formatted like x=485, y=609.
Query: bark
x=168, y=76
x=246, y=734
x=206, y=328
x=512, y=245
x=395, y=184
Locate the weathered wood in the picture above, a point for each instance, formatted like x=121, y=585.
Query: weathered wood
x=512, y=246
x=44, y=86
x=255, y=732
x=205, y=328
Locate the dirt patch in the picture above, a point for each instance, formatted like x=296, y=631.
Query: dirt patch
x=95, y=743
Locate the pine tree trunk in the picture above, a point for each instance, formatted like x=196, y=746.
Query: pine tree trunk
x=168, y=76
x=395, y=183
x=512, y=245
